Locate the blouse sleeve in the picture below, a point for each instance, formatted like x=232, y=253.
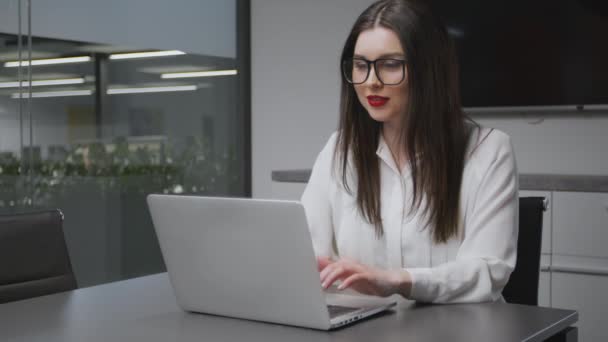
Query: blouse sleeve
x=317, y=203
x=487, y=254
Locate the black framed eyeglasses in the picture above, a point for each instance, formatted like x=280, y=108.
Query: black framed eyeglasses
x=389, y=71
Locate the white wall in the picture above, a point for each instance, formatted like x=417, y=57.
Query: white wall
x=295, y=89
x=295, y=50
x=206, y=27
x=571, y=143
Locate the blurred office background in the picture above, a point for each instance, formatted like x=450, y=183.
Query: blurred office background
x=127, y=98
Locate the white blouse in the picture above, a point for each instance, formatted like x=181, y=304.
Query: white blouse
x=471, y=267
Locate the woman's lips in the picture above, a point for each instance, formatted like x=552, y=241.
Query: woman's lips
x=377, y=101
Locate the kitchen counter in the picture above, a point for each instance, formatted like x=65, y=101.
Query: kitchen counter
x=547, y=182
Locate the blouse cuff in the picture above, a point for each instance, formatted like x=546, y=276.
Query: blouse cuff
x=421, y=289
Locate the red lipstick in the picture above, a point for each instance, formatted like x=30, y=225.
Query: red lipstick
x=377, y=101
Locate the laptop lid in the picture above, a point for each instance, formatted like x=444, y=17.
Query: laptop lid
x=241, y=258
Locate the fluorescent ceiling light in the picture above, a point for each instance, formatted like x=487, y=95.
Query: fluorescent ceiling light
x=111, y=91
x=146, y=54
x=48, y=61
x=63, y=81
x=61, y=93
x=115, y=91
x=199, y=74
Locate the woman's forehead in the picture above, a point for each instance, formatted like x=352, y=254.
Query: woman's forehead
x=378, y=42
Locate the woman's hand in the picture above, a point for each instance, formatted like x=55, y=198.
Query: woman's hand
x=364, y=279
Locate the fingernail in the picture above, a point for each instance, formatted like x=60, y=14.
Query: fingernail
x=341, y=286
x=324, y=285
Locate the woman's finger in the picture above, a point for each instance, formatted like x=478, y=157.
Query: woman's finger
x=327, y=270
x=322, y=262
x=350, y=280
x=337, y=273
x=331, y=267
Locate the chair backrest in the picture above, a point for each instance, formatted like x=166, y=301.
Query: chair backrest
x=34, y=259
x=522, y=287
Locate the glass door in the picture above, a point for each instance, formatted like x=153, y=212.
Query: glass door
x=16, y=156
x=120, y=106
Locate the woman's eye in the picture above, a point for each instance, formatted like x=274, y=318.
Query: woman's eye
x=392, y=64
x=360, y=65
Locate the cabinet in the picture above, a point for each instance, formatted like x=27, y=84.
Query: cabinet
x=587, y=295
x=581, y=224
x=574, y=261
x=544, y=289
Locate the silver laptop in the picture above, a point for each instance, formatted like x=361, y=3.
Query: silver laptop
x=251, y=259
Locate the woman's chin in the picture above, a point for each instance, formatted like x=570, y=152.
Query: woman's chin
x=379, y=117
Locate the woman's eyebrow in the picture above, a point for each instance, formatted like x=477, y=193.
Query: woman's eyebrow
x=384, y=55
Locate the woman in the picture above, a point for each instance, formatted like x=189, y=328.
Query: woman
x=408, y=196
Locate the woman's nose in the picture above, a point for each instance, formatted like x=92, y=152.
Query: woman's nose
x=373, y=80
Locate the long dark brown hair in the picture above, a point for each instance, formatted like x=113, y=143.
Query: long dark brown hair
x=433, y=129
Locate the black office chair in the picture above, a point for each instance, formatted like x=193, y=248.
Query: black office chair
x=34, y=259
x=522, y=287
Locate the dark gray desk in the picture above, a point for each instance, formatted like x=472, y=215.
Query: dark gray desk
x=144, y=309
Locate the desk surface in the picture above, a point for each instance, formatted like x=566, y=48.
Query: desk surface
x=144, y=309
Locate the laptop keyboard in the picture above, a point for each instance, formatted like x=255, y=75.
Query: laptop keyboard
x=336, y=310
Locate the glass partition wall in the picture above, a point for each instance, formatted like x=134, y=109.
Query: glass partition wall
x=92, y=128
